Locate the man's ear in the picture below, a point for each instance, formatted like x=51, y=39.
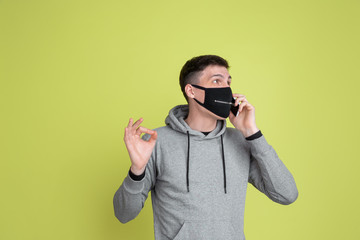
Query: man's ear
x=189, y=90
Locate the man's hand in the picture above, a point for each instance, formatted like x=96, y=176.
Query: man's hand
x=139, y=149
x=245, y=119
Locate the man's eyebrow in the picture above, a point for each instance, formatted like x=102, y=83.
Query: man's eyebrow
x=219, y=75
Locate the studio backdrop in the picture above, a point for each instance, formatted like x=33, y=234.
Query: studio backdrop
x=73, y=72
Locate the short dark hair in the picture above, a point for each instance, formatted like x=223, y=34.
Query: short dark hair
x=190, y=70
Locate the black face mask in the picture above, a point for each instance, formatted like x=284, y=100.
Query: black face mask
x=217, y=100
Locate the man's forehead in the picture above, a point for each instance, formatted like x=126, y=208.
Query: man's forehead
x=216, y=71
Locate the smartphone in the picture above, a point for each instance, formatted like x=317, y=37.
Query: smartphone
x=234, y=110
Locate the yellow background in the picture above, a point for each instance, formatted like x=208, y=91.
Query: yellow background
x=73, y=72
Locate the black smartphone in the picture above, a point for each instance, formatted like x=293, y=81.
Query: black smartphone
x=234, y=109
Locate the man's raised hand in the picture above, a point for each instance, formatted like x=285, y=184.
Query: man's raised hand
x=139, y=149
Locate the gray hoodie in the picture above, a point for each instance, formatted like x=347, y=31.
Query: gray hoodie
x=198, y=182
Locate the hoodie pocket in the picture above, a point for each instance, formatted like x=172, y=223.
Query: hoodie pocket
x=207, y=229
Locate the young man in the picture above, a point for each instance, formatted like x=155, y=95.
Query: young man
x=196, y=168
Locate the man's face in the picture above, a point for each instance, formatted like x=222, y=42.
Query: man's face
x=213, y=76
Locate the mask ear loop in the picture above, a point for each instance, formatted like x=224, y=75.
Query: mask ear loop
x=199, y=87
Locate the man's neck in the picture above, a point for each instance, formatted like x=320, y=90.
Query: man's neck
x=199, y=122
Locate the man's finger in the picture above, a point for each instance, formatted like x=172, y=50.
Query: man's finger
x=137, y=123
x=238, y=95
x=249, y=106
x=126, y=135
x=241, y=106
x=240, y=99
x=130, y=122
x=153, y=137
x=141, y=130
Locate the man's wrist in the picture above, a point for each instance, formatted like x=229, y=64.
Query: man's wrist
x=250, y=131
x=137, y=171
x=136, y=177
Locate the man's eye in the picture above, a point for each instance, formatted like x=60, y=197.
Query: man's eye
x=216, y=81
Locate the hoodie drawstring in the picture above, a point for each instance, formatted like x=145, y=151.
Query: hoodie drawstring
x=188, y=160
x=223, y=158
x=187, y=165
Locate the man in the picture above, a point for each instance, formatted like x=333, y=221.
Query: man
x=196, y=168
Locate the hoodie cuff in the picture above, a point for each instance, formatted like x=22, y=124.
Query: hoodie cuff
x=259, y=145
x=136, y=177
x=133, y=186
x=254, y=136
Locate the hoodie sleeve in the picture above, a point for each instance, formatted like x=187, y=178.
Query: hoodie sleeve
x=130, y=197
x=269, y=174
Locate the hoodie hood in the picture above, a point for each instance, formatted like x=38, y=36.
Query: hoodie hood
x=175, y=120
